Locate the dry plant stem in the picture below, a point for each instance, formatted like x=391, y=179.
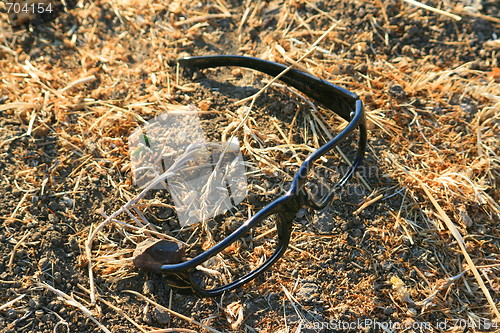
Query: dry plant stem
x=31, y=123
x=6, y=305
x=13, y=254
x=317, y=117
x=432, y=9
x=253, y=98
x=293, y=301
x=143, y=230
x=201, y=18
x=454, y=231
x=14, y=213
x=368, y=203
x=484, y=17
x=243, y=20
x=191, y=320
x=71, y=301
x=80, y=81
x=31, y=70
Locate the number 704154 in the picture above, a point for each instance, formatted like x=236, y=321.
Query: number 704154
x=28, y=8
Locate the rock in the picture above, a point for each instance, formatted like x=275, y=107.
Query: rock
x=43, y=262
x=147, y=319
x=324, y=220
x=397, y=91
x=161, y=316
x=66, y=201
x=386, y=265
x=11, y=314
x=389, y=310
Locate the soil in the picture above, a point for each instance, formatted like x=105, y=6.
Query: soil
x=426, y=81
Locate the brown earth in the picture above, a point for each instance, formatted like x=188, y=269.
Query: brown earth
x=430, y=86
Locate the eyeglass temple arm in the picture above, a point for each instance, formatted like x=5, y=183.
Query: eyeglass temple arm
x=336, y=98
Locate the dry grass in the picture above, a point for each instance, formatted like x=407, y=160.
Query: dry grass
x=110, y=68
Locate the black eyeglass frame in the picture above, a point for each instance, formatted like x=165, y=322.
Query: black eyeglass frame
x=343, y=102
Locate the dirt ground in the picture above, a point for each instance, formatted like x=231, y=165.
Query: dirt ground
x=413, y=242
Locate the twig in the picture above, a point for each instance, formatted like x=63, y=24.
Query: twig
x=13, y=215
x=6, y=305
x=32, y=121
x=201, y=18
x=277, y=77
x=71, y=301
x=432, y=9
x=484, y=17
x=13, y=254
x=293, y=301
x=79, y=81
x=368, y=203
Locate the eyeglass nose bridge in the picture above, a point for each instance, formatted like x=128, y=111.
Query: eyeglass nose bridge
x=304, y=196
x=309, y=202
x=327, y=198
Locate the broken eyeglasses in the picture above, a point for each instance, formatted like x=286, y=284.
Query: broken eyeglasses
x=271, y=227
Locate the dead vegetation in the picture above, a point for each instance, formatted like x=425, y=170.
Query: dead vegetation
x=423, y=245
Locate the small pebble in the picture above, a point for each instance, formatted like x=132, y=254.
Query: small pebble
x=161, y=316
x=53, y=218
x=386, y=265
x=301, y=213
x=11, y=314
x=147, y=319
x=67, y=202
x=397, y=91
x=389, y=310
x=357, y=233
x=412, y=312
x=43, y=262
